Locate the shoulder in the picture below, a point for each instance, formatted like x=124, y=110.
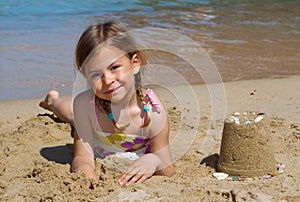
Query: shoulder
x=84, y=98
x=83, y=103
x=84, y=112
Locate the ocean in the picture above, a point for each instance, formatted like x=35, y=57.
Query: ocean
x=245, y=39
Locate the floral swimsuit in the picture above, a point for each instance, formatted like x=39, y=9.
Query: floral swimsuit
x=106, y=143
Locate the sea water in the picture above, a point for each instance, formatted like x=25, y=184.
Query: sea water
x=245, y=39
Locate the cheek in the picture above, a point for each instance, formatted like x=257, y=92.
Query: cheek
x=126, y=76
x=96, y=86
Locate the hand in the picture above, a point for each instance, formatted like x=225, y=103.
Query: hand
x=142, y=169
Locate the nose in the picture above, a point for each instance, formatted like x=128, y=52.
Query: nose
x=108, y=78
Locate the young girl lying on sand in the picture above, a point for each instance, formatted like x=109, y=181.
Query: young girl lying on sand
x=116, y=114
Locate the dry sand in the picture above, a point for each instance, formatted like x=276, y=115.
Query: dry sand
x=36, y=152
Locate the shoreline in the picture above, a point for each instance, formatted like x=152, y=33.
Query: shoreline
x=66, y=89
x=24, y=108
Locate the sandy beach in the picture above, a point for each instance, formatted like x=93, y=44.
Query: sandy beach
x=36, y=152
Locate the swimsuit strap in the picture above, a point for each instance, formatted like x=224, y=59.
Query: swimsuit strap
x=154, y=104
x=96, y=104
x=143, y=120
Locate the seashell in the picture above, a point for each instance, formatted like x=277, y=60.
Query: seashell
x=245, y=113
x=247, y=122
x=235, y=178
x=258, y=119
x=127, y=155
x=265, y=177
x=280, y=168
x=232, y=119
x=275, y=173
x=220, y=176
x=236, y=113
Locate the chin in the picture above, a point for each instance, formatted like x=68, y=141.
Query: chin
x=117, y=98
x=116, y=101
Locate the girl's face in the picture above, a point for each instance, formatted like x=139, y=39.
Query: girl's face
x=111, y=74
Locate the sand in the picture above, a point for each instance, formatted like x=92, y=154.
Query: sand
x=36, y=152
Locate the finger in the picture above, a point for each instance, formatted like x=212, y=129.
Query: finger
x=134, y=179
x=128, y=175
x=143, y=178
x=123, y=180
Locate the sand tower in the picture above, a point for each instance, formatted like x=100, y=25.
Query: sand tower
x=246, y=147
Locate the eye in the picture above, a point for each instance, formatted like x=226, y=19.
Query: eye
x=96, y=76
x=114, y=67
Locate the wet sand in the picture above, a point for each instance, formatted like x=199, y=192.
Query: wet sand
x=36, y=152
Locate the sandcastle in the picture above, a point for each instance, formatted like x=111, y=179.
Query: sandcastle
x=246, y=147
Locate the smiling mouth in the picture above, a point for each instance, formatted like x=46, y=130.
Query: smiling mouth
x=112, y=90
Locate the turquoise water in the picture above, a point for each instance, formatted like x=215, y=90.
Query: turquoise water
x=246, y=39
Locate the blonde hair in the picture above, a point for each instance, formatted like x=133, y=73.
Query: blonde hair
x=114, y=34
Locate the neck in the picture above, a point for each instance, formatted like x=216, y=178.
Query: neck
x=124, y=105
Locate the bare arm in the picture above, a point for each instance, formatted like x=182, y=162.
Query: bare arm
x=159, y=161
x=83, y=160
x=83, y=139
x=160, y=141
x=160, y=147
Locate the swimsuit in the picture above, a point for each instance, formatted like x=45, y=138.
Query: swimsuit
x=110, y=143
x=106, y=143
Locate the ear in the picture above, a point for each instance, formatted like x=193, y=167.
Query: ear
x=136, y=63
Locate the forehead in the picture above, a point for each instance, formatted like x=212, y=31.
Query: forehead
x=103, y=57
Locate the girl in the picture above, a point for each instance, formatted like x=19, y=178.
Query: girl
x=116, y=114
